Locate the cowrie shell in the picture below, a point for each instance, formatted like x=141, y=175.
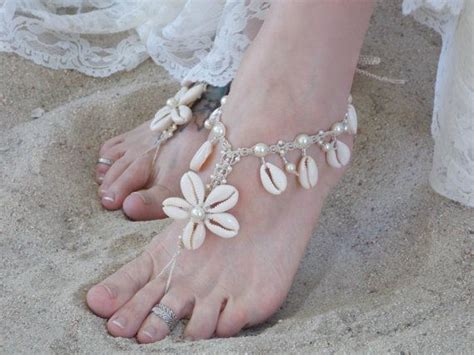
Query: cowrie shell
x=181, y=115
x=223, y=225
x=162, y=120
x=307, y=172
x=192, y=94
x=273, y=178
x=201, y=156
x=339, y=156
x=222, y=198
x=193, y=235
x=176, y=208
x=352, y=119
x=192, y=188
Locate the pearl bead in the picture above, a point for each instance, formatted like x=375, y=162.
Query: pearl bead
x=290, y=167
x=303, y=140
x=337, y=127
x=260, y=150
x=208, y=124
x=198, y=214
x=172, y=102
x=349, y=99
x=223, y=100
x=326, y=147
x=218, y=129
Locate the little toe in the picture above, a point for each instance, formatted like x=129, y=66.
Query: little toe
x=145, y=205
x=154, y=328
x=109, y=295
x=133, y=177
x=128, y=318
x=203, y=322
x=231, y=320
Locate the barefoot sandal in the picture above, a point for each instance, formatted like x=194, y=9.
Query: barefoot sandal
x=175, y=113
x=206, y=206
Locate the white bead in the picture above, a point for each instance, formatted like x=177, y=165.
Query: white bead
x=303, y=140
x=223, y=100
x=208, y=124
x=198, y=214
x=337, y=127
x=218, y=130
x=290, y=167
x=172, y=102
x=326, y=147
x=352, y=119
x=260, y=149
x=349, y=99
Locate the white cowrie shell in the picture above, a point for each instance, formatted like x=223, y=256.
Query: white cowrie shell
x=339, y=156
x=162, y=120
x=193, y=235
x=201, y=156
x=273, y=178
x=307, y=172
x=176, y=208
x=181, y=115
x=222, y=198
x=352, y=119
x=180, y=93
x=223, y=225
x=192, y=94
x=192, y=188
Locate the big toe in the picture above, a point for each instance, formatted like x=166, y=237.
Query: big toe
x=146, y=204
x=106, y=297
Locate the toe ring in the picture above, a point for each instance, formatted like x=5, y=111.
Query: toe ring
x=105, y=161
x=166, y=314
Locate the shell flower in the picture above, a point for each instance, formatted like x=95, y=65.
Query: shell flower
x=177, y=109
x=209, y=212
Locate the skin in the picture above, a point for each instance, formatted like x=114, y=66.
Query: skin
x=294, y=78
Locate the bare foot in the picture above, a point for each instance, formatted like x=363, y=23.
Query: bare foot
x=282, y=89
x=133, y=182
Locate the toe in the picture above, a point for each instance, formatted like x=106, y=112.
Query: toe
x=146, y=204
x=105, y=298
x=203, y=322
x=128, y=319
x=232, y=319
x=133, y=177
x=110, y=144
x=114, y=154
x=154, y=328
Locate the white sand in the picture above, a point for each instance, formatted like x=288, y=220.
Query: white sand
x=389, y=268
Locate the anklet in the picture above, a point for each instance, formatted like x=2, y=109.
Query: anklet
x=206, y=206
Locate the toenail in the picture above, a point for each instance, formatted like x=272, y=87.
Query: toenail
x=143, y=197
x=109, y=196
x=112, y=291
x=149, y=332
x=119, y=322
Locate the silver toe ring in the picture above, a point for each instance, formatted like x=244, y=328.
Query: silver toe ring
x=166, y=314
x=105, y=161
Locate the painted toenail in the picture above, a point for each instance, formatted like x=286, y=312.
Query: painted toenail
x=119, y=322
x=150, y=332
x=109, y=196
x=143, y=197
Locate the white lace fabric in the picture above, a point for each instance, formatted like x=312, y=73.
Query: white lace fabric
x=204, y=40
x=452, y=174
x=194, y=40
